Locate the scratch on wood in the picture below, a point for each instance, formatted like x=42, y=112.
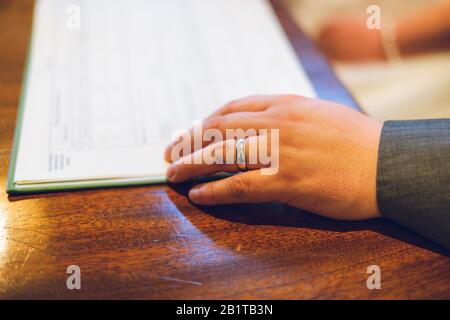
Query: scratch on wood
x=26, y=229
x=27, y=256
x=182, y=281
x=24, y=243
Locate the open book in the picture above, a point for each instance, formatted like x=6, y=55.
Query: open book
x=109, y=83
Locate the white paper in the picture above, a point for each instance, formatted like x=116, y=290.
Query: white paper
x=104, y=100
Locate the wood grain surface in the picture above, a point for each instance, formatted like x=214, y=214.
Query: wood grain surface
x=152, y=243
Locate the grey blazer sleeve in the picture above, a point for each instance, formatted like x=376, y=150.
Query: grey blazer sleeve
x=413, y=178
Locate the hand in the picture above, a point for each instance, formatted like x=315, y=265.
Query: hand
x=349, y=39
x=327, y=157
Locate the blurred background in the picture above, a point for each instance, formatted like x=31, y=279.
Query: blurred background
x=415, y=86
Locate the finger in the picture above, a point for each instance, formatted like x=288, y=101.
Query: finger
x=218, y=157
x=206, y=133
x=254, y=103
x=245, y=187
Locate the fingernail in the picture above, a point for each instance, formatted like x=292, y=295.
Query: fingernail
x=194, y=194
x=172, y=173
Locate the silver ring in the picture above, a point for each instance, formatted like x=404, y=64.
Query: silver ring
x=240, y=155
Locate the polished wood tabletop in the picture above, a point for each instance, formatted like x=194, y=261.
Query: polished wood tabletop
x=152, y=243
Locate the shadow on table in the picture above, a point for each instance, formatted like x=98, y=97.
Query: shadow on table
x=277, y=214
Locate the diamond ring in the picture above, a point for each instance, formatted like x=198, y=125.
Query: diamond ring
x=240, y=154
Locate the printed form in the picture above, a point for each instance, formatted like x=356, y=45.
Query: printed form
x=102, y=100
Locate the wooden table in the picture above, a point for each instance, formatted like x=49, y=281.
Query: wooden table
x=151, y=242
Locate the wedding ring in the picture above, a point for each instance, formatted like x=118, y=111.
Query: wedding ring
x=240, y=154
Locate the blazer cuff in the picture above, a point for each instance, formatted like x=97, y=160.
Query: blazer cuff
x=413, y=178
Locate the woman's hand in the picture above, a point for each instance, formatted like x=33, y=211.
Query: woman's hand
x=349, y=39
x=327, y=157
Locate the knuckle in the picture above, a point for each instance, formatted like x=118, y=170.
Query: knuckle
x=213, y=123
x=229, y=107
x=232, y=103
x=288, y=113
x=210, y=193
x=238, y=187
